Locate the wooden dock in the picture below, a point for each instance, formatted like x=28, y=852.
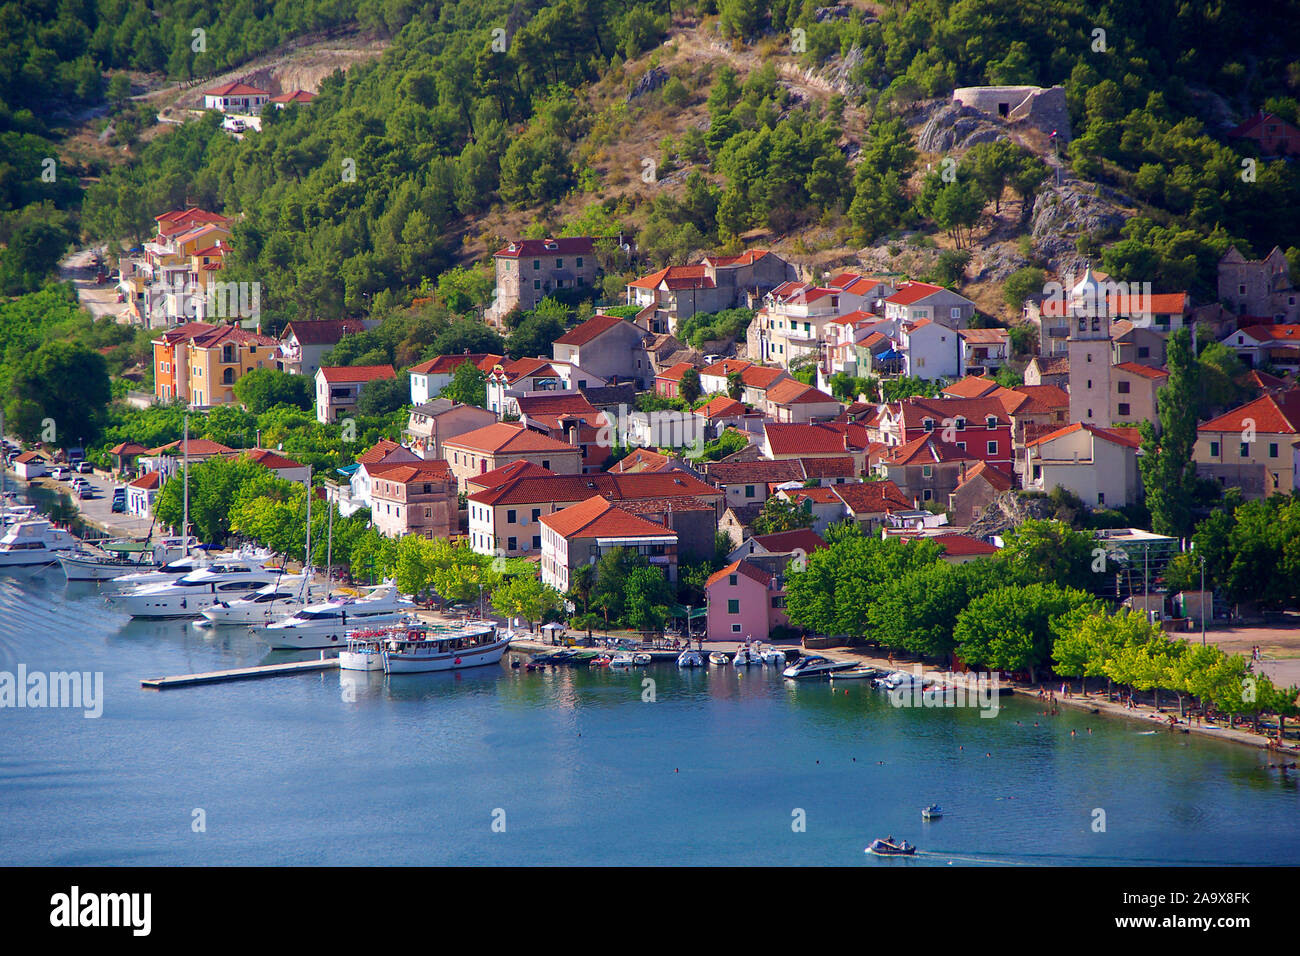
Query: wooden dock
x=241, y=673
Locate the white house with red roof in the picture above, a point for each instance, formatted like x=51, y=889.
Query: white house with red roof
x=930, y=350
x=338, y=388
x=1255, y=447
x=31, y=464
x=430, y=377
x=142, y=492
x=294, y=96
x=528, y=270
x=610, y=347
x=1262, y=344
x=515, y=378
x=303, y=342
x=790, y=400
x=1097, y=464
x=236, y=97
x=283, y=467
x=915, y=301
x=982, y=350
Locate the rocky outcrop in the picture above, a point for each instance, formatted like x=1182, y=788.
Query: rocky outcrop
x=953, y=126
x=650, y=80
x=1009, y=510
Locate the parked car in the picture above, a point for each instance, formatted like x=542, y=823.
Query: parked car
x=59, y=473
x=85, y=491
x=85, y=467
x=712, y=359
x=119, y=506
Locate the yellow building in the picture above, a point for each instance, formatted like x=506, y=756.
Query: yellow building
x=211, y=358
x=1255, y=447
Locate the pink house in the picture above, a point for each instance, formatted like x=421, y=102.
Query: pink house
x=746, y=599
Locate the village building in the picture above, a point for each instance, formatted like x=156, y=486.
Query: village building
x=580, y=534
x=1255, y=447
x=338, y=388
x=528, y=270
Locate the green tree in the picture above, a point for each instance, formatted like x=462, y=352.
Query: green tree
x=1168, y=472
x=1010, y=628
x=781, y=514
x=688, y=387
x=468, y=386
x=264, y=388
x=918, y=611
x=63, y=386
x=527, y=597
x=1049, y=552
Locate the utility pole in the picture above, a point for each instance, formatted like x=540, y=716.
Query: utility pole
x=1202, y=600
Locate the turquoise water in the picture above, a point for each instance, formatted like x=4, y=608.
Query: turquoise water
x=331, y=768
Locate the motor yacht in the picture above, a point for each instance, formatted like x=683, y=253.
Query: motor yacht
x=814, y=667
x=191, y=593
x=33, y=543
x=327, y=624
x=274, y=602
x=113, y=559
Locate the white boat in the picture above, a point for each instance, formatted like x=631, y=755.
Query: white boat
x=32, y=543
x=719, y=659
x=855, y=673
x=188, y=596
x=640, y=660
x=770, y=655
x=427, y=648
x=104, y=562
x=14, y=513
x=689, y=658
x=897, y=680
x=623, y=659
x=814, y=667
x=171, y=571
x=274, y=602
x=932, y=812
x=746, y=656
x=364, y=651
x=327, y=624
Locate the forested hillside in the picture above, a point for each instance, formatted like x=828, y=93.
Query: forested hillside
x=491, y=118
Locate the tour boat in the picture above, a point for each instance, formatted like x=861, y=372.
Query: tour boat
x=427, y=648
x=719, y=659
x=274, y=602
x=888, y=847
x=932, y=812
x=815, y=667
x=327, y=624
x=193, y=592
x=689, y=658
x=746, y=655
x=35, y=542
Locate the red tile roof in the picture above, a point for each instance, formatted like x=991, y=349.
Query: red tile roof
x=1146, y=371
x=972, y=386
x=538, y=248
x=675, y=372
x=962, y=545
x=914, y=292
x=1271, y=414
x=297, y=96
x=378, y=452
x=148, y=481
x=405, y=472
x=127, y=448
x=356, y=373
x=447, y=364
x=1116, y=436
x=720, y=406
x=1273, y=333
x=597, y=517
x=271, y=459
x=236, y=89
x=197, y=446
x=782, y=542
x=592, y=329
x=925, y=449
x=516, y=469
x=751, y=571
x=975, y=410
x=794, y=392
x=818, y=438
x=507, y=437
x=995, y=476
x=873, y=497
x=634, y=485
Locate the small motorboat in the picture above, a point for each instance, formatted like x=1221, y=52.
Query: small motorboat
x=746, y=655
x=690, y=658
x=604, y=660
x=854, y=673
x=932, y=812
x=719, y=658
x=815, y=667
x=773, y=656
x=899, y=680
x=621, y=660
x=640, y=660
x=890, y=847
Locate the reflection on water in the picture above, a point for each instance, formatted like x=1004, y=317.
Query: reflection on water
x=702, y=765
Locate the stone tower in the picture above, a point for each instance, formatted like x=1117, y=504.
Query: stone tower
x=1090, y=352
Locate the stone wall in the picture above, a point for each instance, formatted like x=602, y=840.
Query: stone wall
x=1043, y=109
